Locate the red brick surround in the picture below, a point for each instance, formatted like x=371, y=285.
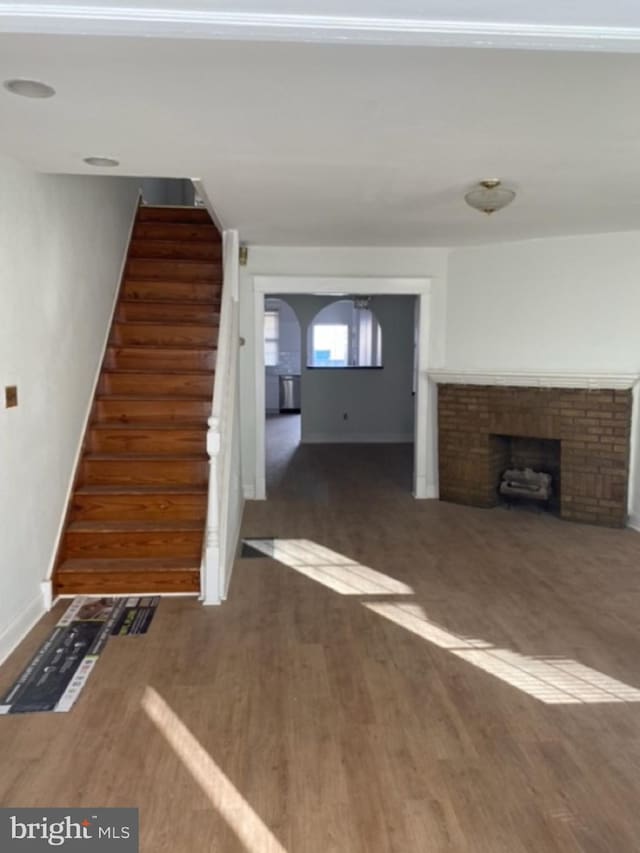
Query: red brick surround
x=592, y=426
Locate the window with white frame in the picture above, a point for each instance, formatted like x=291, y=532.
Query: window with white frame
x=345, y=333
x=271, y=338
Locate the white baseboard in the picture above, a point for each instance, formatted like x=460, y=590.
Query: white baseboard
x=234, y=553
x=425, y=490
x=633, y=521
x=18, y=629
x=358, y=438
x=46, y=590
x=249, y=491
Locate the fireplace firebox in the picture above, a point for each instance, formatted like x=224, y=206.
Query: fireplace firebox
x=526, y=470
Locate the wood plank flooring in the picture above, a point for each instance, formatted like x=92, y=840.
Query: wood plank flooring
x=297, y=718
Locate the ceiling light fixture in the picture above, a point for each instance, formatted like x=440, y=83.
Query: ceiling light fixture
x=29, y=88
x=489, y=196
x=99, y=162
x=361, y=302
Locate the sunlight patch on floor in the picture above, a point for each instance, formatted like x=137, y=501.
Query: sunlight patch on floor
x=555, y=681
x=329, y=568
x=254, y=835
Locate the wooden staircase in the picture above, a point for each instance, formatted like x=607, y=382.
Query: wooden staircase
x=136, y=521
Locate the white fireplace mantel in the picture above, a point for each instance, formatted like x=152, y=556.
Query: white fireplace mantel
x=534, y=378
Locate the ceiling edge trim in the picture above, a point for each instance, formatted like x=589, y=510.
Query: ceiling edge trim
x=134, y=21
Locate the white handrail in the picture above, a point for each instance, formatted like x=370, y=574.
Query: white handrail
x=223, y=436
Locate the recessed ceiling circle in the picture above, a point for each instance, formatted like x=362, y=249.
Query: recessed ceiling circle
x=29, y=88
x=100, y=162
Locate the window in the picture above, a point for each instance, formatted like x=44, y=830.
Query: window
x=271, y=338
x=330, y=345
x=345, y=334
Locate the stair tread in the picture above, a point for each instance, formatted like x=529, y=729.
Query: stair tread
x=126, y=489
x=154, y=371
x=163, y=302
x=138, y=279
x=190, y=348
x=149, y=279
x=130, y=564
x=169, y=398
x=178, y=323
x=173, y=242
x=133, y=526
x=177, y=238
x=152, y=457
x=201, y=261
x=169, y=300
x=201, y=426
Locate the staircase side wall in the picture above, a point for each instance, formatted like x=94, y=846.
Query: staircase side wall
x=62, y=243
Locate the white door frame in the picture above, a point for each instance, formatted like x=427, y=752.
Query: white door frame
x=265, y=285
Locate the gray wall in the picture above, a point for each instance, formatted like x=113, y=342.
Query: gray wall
x=379, y=404
x=167, y=191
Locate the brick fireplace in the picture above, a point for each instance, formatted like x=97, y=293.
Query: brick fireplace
x=580, y=436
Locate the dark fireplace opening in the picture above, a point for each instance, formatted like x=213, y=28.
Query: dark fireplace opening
x=525, y=471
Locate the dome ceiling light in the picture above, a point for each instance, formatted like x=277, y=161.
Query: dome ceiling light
x=489, y=195
x=29, y=88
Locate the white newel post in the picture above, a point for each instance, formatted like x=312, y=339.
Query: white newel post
x=211, y=568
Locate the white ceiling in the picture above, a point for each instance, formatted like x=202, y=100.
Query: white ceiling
x=357, y=143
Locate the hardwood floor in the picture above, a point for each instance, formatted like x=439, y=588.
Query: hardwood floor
x=380, y=717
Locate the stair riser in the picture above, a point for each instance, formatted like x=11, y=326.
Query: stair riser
x=175, y=250
x=149, y=441
x=157, y=507
x=176, y=231
x=95, y=546
x=134, y=411
x=133, y=334
x=129, y=583
x=157, y=383
x=189, y=215
x=143, y=472
x=169, y=291
x=149, y=359
x=132, y=311
x=173, y=270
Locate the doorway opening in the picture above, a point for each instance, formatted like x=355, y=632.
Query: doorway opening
x=282, y=397
x=339, y=403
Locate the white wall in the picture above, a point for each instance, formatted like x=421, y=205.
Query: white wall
x=378, y=403
x=329, y=261
x=558, y=304
x=62, y=242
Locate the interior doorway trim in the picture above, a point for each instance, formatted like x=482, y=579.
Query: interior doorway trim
x=424, y=467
